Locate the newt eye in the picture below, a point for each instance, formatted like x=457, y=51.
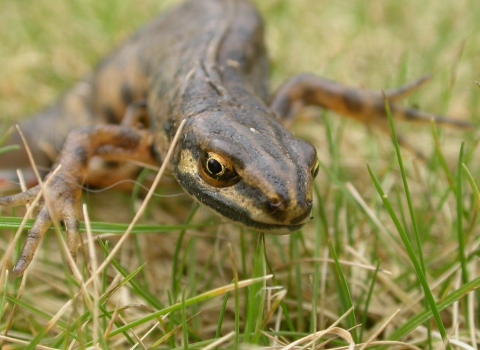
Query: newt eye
x=214, y=167
x=217, y=170
x=316, y=168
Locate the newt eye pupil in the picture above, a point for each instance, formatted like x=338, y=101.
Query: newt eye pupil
x=214, y=166
x=217, y=170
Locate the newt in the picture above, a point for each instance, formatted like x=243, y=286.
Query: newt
x=203, y=62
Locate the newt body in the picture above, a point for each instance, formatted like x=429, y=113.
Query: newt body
x=204, y=62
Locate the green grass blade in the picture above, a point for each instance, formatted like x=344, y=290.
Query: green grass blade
x=344, y=293
x=473, y=184
x=418, y=268
x=424, y=316
x=176, y=254
x=191, y=301
x=221, y=317
x=4, y=295
x=406, y=187
x=128, y=277
x=256, y=297
x=367, y=302
x=183, y=311
x=320, y=236
x=297, y=279
x=106, y=227
x=6, y=149
x=413, y=220
x=460, y=233
x=33, y=310
x=441, y=156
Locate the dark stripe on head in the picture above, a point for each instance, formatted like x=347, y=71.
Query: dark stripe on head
x=233, y=212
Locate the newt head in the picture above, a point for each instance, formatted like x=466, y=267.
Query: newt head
x=251, y=172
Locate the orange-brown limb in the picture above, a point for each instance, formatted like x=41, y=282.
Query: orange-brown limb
x=62, y=195
x=365, y=106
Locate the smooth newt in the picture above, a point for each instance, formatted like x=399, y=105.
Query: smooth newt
x=204, y=62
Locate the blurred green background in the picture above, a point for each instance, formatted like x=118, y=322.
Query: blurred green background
x=46, y=45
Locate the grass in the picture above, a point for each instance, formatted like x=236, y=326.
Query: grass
x=397, y=240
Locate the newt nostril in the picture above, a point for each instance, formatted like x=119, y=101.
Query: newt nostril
x=275, y=201
x=309, y=203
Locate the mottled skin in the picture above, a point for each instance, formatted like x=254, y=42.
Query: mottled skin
x=205, y=62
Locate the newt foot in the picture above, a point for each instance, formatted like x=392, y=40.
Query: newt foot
x=63, y=187
x=59, y=202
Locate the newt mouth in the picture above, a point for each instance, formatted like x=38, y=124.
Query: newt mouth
x=273, y=229
x=242, y=217
x=245, y=204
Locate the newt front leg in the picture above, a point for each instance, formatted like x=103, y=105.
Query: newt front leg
x=367, y=107
x=61, y=197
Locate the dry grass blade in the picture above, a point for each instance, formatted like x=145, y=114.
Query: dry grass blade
x=167, y=336
x=331, y=261
x=460, y=344
x=345, y=335
x=30, y=156
x=386, y=343
x=111, y=324
x=134, y=334
x=96, y=283
x=144, y=203
x=272, y=307
x=385, y=233
x=333, y=329
x=22, y=342
x=220, y=341
x=146, y=335
x=23, y=185
x=379, y=330
x=472, y=313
